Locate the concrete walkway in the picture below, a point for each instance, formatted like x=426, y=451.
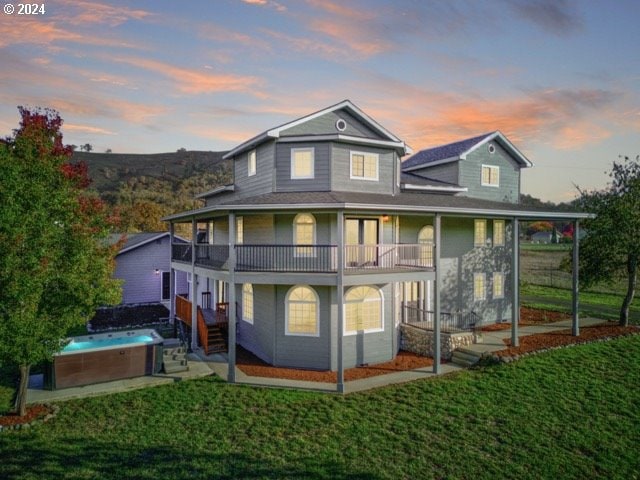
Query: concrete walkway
x=202, y=366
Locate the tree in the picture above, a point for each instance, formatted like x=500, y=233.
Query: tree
x=108, y=150
x=87, y=147
x=55, y=263
x=612, y=247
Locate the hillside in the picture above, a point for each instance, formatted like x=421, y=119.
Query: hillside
x=110, y=170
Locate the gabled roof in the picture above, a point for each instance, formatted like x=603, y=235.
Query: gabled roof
x=136, y=240
x=452, y=152
x=345, y=104
x=413, y=181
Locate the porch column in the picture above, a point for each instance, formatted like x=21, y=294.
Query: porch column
x=231, y=375
x=194, y=287
x=172, y=277
x=340, y=299
x=436, y=297
x=515, y=282
x=575, y=328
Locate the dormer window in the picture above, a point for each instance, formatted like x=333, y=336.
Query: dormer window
x=364, y=166
x=302, y=163
x=251, y=163
x=490, y=176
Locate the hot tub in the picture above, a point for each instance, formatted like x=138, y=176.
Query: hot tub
x=104, y=357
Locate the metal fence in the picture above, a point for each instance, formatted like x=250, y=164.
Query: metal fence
x=449, y=321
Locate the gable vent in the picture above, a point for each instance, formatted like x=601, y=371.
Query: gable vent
x=341, y=125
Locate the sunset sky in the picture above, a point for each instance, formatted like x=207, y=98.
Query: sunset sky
x=560, y=78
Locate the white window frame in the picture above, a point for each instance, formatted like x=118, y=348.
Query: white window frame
x=476, y=243
x=239, y=230
x=497, y=176
x=251, y=163
x=286, y=313
x=344, y=310
x=313, y=155
x=498, y=279
x=498, y=242
x=303, y=251
x=364, y=154
x=246, y=307
x=426, y=228
x=483, y=297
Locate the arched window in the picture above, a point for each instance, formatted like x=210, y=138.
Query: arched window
x=247, y=302
x=302, y=311
x=363, y=310
x=425, y=236
x=304, y=233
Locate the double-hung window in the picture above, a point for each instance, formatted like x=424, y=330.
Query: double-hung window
x=490, y=176
x=302, y=163
x=364, y=166
x=498, y=233
x=302, y=312
x=479, y=233
x=498, y=285
x=479, y=291
x=247, y=302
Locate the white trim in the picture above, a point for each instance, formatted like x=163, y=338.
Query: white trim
x=490, y=167
x=224, y=188
x=484, y=287
x=364, y=154
x=432, y=164
x=469, y=212
x=313, y=165
x=348, y=333
x=341, y=121
x=252, y=161
x=346, y=138
x=493, y=286
x=286, y=313
x=434, y=188
x=152, y=239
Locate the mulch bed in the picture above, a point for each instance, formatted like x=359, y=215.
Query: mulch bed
x=530, y=316
x=560, y=338
x=253, y=366
x=34, y=412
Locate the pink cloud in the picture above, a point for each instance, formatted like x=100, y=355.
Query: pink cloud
x=86, y=129
x=84, y=12
x=194, y=82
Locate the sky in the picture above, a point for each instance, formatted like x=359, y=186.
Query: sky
x=560, y=78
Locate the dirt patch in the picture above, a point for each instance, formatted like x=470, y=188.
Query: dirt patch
x=559, y=338
x=530, y=316
x=253, y=366
x=34, y=412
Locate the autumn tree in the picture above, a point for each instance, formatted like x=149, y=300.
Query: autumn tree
x=611, y=249
x=55, y=263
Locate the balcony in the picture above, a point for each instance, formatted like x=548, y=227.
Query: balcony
x=310, y=258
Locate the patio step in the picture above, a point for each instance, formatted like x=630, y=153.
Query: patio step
x=465, y=357
x=174, y=357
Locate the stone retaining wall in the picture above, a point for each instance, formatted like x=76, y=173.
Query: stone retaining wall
x=420, y=341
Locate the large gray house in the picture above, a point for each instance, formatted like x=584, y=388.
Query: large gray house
x=327, y=242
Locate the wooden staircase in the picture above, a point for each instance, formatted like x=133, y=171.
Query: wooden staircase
x=212, y=325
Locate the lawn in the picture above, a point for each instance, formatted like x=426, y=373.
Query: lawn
x=569, y=413
x=593, y=304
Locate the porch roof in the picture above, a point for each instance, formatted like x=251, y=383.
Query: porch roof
x=408, y=202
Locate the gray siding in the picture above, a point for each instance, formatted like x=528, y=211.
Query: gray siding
x=262, y=181
x=326, y=124
x=471, y=169
x=320, y=182
x=137, y=269
x=410, y=226
x=258, y=229
x=301, y=351
x=258, y=337
x=460, y=260
x=447, y=172
x=341, y=164
x=284, y=228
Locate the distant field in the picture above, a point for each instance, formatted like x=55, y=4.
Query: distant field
x=546, y=247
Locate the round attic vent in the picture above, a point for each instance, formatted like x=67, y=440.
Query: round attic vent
x=492, y=148
x=341, y=125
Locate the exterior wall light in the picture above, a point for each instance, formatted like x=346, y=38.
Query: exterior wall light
x=157, y=271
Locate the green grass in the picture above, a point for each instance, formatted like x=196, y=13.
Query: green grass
x=569, y=413
x=595, y=304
